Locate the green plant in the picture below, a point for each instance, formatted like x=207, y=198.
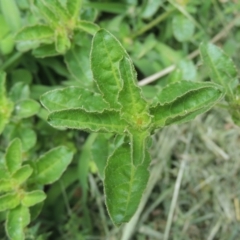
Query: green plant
x=100, y=95
x=117, y=107
x=21, y=184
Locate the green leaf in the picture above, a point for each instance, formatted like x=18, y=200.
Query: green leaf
x=11, y=14
x=124, y=184
x=48, y=50
x=178, y=89
x=134, y=108
x=51, y=165
x=32, y=198
x=40, y=33
x=107, y=121
x=88, y=27
x=48, y=14
x=74, y=7
x=105, y=57
x=60, y=11
x=5, y=185
x=13, y=158
x=198, y=101
x=183, y=28
x=220, y=67
x=27, y=108
x=17, y=220
x=22, y=174
x=6, y=105
x=78, y=64
x=9, y=201
x=73, y=97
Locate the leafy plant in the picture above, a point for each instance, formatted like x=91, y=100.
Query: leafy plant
x=21, y=184
x=55, y=35
x=118, y=107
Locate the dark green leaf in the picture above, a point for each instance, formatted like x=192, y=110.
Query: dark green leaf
x=107, y=121
x=124, y=184
x=105, y=57
x=51, y=165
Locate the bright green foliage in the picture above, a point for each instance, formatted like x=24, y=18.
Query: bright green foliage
x=14, y=156
x=27, y=108
x=183, y=99
x=73, y=97
x=9, y=201
x=6, y=106
x=15, y=178
x=22, y=174
x=49, y=167
x=32, y=198
x=17, y=219
x=106, y=121
x=55, y=36
x=126, y=113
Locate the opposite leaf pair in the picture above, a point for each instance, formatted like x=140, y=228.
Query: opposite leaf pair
x=119, y=108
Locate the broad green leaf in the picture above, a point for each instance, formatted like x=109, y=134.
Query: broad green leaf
x=6, y=106
x=178, y=89
x=74, y=7
x=41, y=33
x=198, y=101
x=107, y=121
x=60, y=11
x=134, y=108
x=88, y=27
x=48, y=50
x=183, y=28
x=47, y=13
x=220, y=67
x=11, y=14
x=19, y=91
x=78, y=64
x=5, y=185
x=22, y=174
x=27, y=108
x=138, y=142
x=32, y=198
x=62, y=42
x=105, y=57
x=13, y=158
x=73, y=97
x=17, y=219
x=124, y=184
x=9, y=201
x=51, y=165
